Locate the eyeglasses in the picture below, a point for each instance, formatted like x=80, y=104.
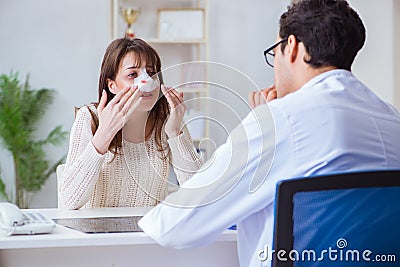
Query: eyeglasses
x=269, y=54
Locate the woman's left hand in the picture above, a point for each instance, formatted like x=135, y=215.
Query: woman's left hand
x=178, y=109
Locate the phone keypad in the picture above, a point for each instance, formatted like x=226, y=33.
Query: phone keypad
x=35, y=217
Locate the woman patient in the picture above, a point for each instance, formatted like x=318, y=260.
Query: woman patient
x=122, y=146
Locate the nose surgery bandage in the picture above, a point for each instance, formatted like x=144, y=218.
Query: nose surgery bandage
x=146, y=83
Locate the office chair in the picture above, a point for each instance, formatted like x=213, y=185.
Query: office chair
x=59, y=174
x=350, y=219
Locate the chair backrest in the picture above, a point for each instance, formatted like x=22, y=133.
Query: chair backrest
x=59, y=173
x=348, y=219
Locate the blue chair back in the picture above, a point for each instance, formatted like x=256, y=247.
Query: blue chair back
x=348, y=219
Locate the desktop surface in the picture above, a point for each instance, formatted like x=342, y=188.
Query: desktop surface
x=67, y=247
x=66, y=237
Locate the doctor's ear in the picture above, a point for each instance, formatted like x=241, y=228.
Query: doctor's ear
x=293, y=47
x=112, y=86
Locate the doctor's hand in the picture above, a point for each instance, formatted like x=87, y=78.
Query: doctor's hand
x=261, y=97
x=178, y=109
x=114, y=115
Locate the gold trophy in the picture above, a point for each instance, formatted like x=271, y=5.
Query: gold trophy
x=130, y=15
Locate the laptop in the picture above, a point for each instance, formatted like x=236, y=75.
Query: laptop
x=350, y=219
x=102, y=224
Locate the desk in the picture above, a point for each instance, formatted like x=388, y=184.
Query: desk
x=66, y=247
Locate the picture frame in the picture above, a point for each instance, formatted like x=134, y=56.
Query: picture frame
x=181, y=24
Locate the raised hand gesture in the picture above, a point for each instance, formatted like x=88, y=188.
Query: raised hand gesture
x=113, y=116
x=178, y=109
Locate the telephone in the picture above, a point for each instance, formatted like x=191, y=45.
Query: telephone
x=15, y=222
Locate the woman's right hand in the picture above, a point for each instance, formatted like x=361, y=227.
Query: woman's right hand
x=112, y=117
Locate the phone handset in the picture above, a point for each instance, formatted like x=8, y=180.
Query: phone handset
x=13, y=221
x=10, y=215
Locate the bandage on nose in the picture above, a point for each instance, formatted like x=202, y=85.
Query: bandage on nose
x=145, y=83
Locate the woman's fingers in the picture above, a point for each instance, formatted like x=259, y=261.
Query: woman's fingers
x=103, y=101
x=125, y=99
x=117, y=98
x=176, y=95
x=166, y=91
x=178, y=109
x=173, y=97
x=131, y=101
x=175, y=100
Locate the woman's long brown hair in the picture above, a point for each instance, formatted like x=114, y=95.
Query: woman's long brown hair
x=109, y=70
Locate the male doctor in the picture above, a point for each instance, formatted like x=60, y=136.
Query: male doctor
x=321, y=120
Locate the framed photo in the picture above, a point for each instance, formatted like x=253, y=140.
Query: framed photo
x=181, y=24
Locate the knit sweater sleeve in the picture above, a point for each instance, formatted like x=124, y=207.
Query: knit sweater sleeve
x=83, y=163
x=184, y=158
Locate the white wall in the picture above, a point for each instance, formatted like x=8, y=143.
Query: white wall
x=396, y=53
x=374, y=64
x=61, y=43
x=239, y=33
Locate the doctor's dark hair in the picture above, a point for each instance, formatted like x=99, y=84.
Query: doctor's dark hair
x=113, y=56
x=331, y=31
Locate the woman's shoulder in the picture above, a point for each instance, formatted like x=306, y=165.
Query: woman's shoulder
x=86, y=111
x=86, y=117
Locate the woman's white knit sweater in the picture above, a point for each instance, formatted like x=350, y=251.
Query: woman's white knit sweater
x=136, y=177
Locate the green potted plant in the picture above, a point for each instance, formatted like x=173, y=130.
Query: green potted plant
x=20, y=109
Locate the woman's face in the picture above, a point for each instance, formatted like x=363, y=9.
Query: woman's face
x=127, y=72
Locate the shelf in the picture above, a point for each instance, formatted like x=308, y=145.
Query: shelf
x=193, y=91
x=160, y=41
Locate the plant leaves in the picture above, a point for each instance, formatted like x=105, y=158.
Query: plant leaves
x=20, y=109
x=3, y=191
